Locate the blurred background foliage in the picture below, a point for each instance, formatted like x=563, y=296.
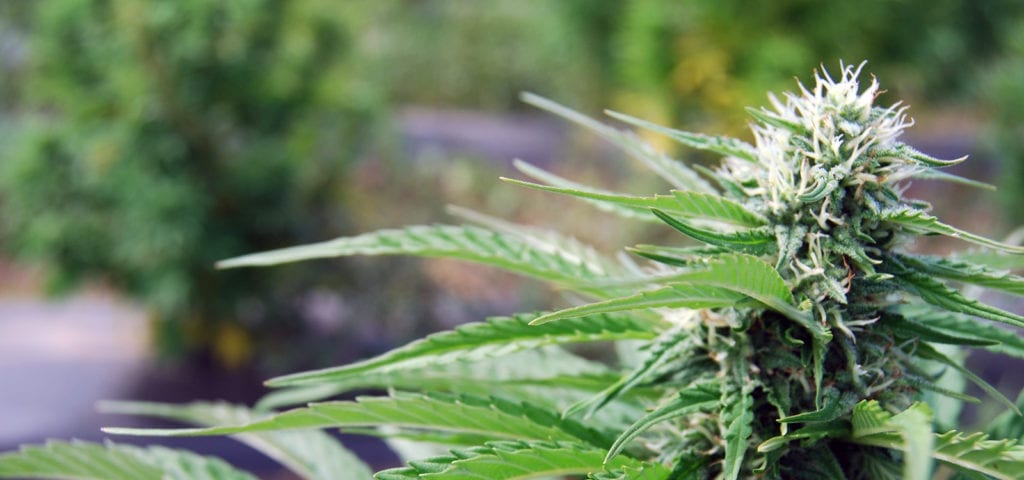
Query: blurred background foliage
x=142, y=140
x=160, y=137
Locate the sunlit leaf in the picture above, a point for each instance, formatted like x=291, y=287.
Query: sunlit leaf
x=674, y=172
x=920, y=221
x=938, y=294
x=495, y=337
x=692, y=205
x=491, y=418
x=445, y=241
x=312, y=454
x=755, y=241
x=674, y=296
x=721, y=145
x=966, y=272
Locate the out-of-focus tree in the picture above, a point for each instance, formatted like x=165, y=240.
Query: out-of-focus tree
x=169, y=134
x=1002, y=89
x=684, y=62
x=477, y=55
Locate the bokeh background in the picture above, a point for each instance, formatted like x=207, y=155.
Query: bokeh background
x=142, y=140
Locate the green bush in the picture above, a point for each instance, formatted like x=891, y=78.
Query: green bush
x=798, y=338
x=168, y=134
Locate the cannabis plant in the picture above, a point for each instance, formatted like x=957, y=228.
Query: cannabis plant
x=798, y=339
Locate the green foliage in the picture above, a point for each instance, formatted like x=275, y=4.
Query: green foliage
x=691, y=400
x=537, y=257
x=474, y=341
x=521, y=460
x=909, y=431
x=474, y=418
x=310, y=454
x=1003, y=96
x=691, y=62
x=471, y=54
x=798, y=343
x=691, y=205
x=167, y=135
x=550, y=375
x=90, y=461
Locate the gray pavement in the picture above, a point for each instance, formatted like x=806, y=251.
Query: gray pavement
x=58, y=358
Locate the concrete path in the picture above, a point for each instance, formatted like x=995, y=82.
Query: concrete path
x=58, y=358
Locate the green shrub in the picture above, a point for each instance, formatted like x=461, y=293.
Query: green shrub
x=171, y=134
x=798, y=339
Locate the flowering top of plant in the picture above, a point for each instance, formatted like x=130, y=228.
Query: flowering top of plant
x=796, y=340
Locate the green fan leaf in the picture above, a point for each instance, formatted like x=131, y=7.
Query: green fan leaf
x=925, y=330
x=692, y=205
x=555, y=183
x=972, y=454
x=997, y=339
x=813, y=432
x=920, y=221
x=490, y=418
x=938, y=294
x=1008, y=424
x=673, y=296
x=672, y=171
x=520, y=460
x=769, y=118
x=91, y=461
x=667, y=347
x=756, y=241
x=905, y=152
x=879, y=465
x=730, y=187
x=756, y=279
x=444, y=241
x=909, y=431
x=541, y=368
x=999, y=459
x=712, y=207
x=677, y=256
x=965, y=272
x=695, y=398
x=744, y=274
x=496, y=336
x=725, y=146
x=287, y=397
x=932, y=174
x=834, y=405
x=649, y=471
x=930, y=353
x=738, y=418
x=546, y=240
x=992, y=259
x=549, y=375
x=312, y=454
x=915, y=426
